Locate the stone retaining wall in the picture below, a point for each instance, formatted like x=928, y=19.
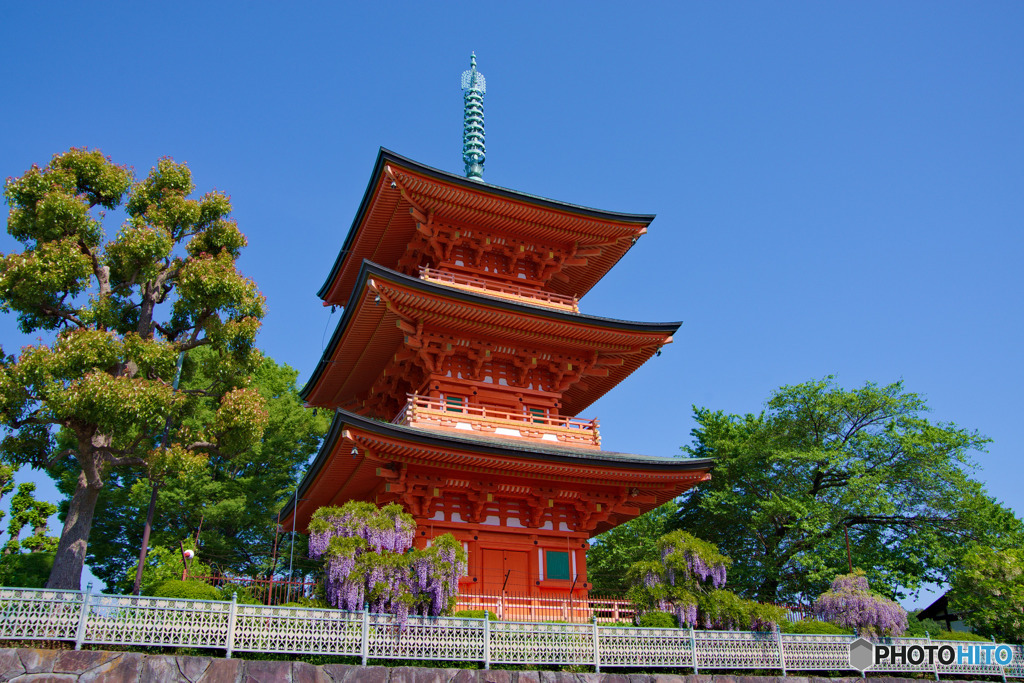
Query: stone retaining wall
x=26, y=664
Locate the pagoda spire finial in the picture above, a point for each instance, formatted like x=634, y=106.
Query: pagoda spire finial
x=473, y=151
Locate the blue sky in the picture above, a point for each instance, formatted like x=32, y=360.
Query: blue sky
x=838, y=185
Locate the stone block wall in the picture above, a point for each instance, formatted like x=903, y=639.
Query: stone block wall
x=95, y=666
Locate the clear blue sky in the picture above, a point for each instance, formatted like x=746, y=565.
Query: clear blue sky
x=838, y=185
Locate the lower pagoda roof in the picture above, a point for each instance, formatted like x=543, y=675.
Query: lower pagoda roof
x=347, y=466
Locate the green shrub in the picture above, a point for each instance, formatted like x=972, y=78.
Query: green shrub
x=960, y=635
x=25, y=570
x=814, y=626
x=476, y=614
x=918, y=628
x=186, y=590
x=245, y=596
x=163, y=563
x=311, y=603
x=658, y=620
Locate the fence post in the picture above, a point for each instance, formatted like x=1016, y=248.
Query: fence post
x=366, y=633
x=232, y=614
x=693, y=650
x=80, y=632
x=487, y=639
x=597, y=648
x=1002, y=669
x=935, y=660
x=782, y=655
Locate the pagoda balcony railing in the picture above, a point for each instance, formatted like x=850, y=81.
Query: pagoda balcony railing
x=503, y=290
x=424, y=411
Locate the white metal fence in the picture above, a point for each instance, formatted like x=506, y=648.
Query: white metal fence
x=39, y=614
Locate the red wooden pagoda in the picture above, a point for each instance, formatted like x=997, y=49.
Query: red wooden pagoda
x=461, y=362
x=459, y=366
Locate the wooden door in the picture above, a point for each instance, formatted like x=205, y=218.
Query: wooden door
x=508, y=568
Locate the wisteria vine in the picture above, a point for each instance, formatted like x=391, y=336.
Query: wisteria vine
x=851, y=604
x=687, y=583
x=369, y=560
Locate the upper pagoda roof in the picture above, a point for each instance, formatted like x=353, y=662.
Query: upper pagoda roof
x=369, y=334
x=337, y=475
x=385, y=224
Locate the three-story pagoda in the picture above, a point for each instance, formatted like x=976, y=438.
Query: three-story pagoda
x=461, y=363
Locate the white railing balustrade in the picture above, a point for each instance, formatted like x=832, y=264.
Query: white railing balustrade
x=29, y=614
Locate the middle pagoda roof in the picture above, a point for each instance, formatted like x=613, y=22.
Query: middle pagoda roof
x=409, y=207
x=387, y=310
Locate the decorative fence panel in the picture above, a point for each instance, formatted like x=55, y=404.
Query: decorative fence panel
x=297, y=630
x=515, y=642
x=34, y=614
x=625, y=646
x=816, y=652
x=737, y=650
x=131, y=620
x=924, y=667
x=437, y=638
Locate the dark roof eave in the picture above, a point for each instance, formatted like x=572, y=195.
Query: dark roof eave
x=369, y=268
x=533, y=450
x=385, y=155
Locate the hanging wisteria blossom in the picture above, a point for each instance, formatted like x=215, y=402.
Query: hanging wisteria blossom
x=370, y=561
x=687, y=583
x=851, y=604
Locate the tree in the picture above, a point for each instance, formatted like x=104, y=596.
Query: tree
x=687, y=581
x=35, y=514
x=851, y=604
x=821, y=463
x=6, y=482
x=369, y=557
x=234, y=498
x=26, y=569
x=119, y=314
x=988, y=590
x=613, y=552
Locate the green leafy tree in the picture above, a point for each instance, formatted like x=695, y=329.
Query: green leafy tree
x=822, y=462
x=235, y=497
x=988, y=590
x=613, y=552
x=6, y=482
x=26, y=510
x=26, y=569
x=687, y=582
x=119, y=313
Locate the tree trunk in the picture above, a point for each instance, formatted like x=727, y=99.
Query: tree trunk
x=70, y=558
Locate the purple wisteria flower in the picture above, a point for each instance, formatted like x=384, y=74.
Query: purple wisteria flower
x=851, y=604
x=369, y=560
